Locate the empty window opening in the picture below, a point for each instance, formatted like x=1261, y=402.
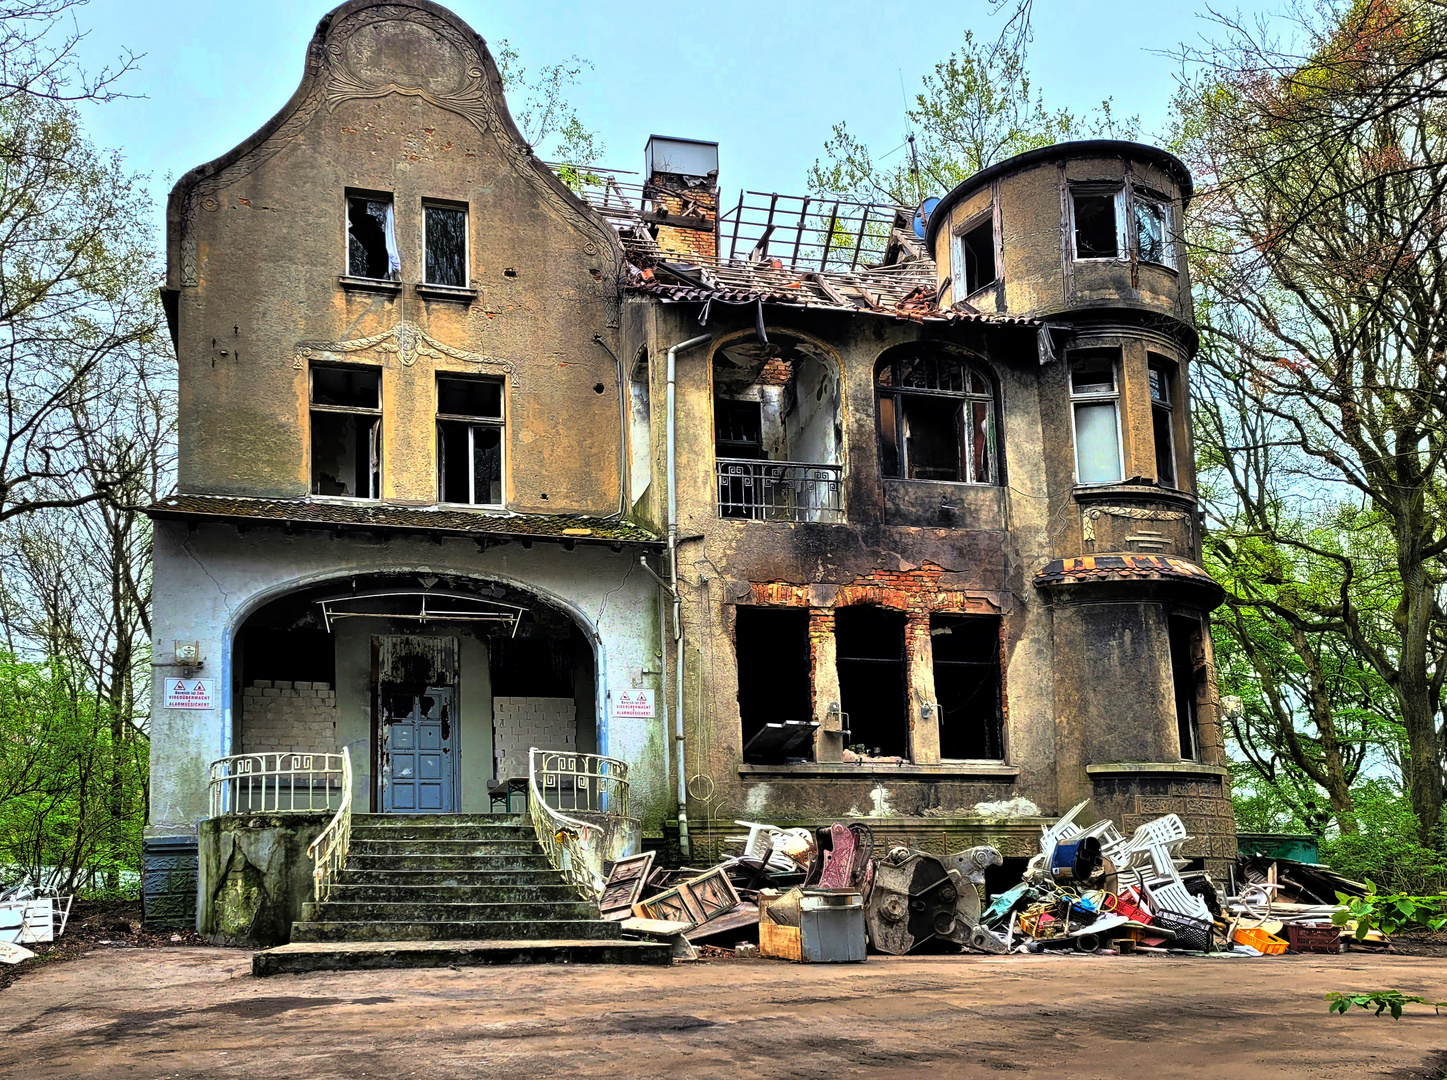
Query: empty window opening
x=1152, y=230
x=968, y=686
x=444, y=242
x=372, y=238
x=873, y=679
x=975, y=259
x=346, y=424
x=775, y=689
x=936, y=421
x=287, y=654
x=640, y=433
x=1185, y=634
x=470, y=431
x=1163, y=420
x=1097, y=231
x=1095, y=401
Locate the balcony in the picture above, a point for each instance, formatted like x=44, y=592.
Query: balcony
x=780, y=491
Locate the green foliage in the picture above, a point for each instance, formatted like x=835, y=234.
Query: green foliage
x=547, y=118
x=1384, y=847
x=1385, y=1000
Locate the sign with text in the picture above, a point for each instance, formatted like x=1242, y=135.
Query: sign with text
x=190, y=694
x=633, y=704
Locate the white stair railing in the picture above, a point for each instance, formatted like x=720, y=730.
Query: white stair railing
x=328, y=851
x=594, y=792
x=276, y=783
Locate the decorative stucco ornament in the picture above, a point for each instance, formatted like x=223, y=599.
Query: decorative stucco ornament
x=406, y=341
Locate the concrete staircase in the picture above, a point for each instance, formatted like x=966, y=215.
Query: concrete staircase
x=427, y=890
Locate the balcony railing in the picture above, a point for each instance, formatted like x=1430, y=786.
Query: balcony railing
x=278, y=784
x=780, y=490
x=577, y=802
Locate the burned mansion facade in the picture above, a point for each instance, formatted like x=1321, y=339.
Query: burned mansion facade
x=806, y=510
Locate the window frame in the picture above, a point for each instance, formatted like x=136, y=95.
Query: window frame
x=473, y=423
x=1123, y=239
x=957, y=253
x=1113, y=397
x=1167, y=207
x=1169, y=371
x=466, y=210
x=390, y=199
x=964, y=398
x=344, y=410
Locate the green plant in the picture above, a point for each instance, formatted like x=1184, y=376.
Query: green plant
x=1390, y=912
x=1385, y=1000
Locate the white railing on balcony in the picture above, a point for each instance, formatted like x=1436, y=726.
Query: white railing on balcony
x=275, y=783
x=575, y=802
x=780, y=490
x=328, y=851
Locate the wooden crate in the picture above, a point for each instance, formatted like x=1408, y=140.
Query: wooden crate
x=779, y=942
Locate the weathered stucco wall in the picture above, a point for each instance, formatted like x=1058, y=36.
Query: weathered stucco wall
x=254, y=876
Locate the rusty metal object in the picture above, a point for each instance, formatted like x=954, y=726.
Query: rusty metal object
x=917, y=896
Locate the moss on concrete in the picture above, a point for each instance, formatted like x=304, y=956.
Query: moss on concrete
x=254, y=876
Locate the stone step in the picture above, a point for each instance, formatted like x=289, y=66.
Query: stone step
x=476, y=863
x=378, y=910
x=470, y=930
x=405, y=831
x=546, y=891
x=431, y=877
x=445, y=848
x=301, y=957
x=368, y=820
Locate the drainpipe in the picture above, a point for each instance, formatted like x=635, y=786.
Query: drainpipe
x=683, y=841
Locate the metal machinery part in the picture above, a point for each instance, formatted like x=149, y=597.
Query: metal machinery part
x=917, y=896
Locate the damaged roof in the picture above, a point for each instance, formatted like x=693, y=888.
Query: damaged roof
x=1101, y=568
x=565, y=527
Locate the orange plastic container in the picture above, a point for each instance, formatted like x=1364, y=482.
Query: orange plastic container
x=1261, y=941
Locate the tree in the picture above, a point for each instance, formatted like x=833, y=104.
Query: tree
x=545, y=116
x=1319, y=244
x=38, y=55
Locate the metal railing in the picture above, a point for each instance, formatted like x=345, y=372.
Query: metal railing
x=328, y=851
x=780, y=490
x=275, y=783
x=595, y=791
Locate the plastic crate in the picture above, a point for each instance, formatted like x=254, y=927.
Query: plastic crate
x=1119, y=905
x=1195, y=934
x=1313, y=938
x=1261, y=941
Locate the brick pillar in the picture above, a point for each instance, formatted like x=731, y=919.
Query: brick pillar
x=924, y=724
x=824, y=672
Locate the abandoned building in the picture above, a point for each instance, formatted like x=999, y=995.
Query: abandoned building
x=802, y=509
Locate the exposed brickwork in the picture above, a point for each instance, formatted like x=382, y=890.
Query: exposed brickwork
x=288, y=717
x=520, y=723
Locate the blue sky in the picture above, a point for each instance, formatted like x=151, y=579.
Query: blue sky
x=766, y=80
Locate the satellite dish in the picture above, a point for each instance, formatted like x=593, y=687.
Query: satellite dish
x=921, y=216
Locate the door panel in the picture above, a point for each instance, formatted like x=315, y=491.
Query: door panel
x=417, y=751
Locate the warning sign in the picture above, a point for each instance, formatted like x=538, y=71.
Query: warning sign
x=190, y=694
x=633, y=705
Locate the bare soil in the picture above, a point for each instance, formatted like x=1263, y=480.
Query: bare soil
x=189, y=1012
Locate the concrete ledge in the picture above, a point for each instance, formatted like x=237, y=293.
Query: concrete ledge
x=945, y=770
x=1151, y=768
x=372, y=955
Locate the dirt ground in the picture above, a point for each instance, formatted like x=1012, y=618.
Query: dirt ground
x=192, y=1012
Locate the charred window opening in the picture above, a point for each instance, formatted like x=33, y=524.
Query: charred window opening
x=346, y=423
x=1185, y=638
x=470, y=429
x=1097, y=225
x=1095, y=405
x=873, y=679
x=1163, y=419
x=738, y=429
x=640, y=433
x=936, y=421
x=1152, y=230
x=776, y=700
x=968, y=686
x=372, y=238
x=975, y=259
x=444, y=243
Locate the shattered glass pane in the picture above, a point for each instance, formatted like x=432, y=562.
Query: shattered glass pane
x=487, y=465
x=446, y=231
x=1150, y=226
x=371, y=245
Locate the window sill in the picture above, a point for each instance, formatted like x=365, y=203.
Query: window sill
x=488, y=509
x=984, y=770
x=363, y=284
x=1115, y=489
x=449, y=293
x=1148, y=768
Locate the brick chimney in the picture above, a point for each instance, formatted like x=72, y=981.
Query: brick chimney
x=682, y=187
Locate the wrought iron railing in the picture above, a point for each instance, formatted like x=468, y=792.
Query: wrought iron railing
x=276, y=783
x=593, y=791
x=328, y=851
x=780, y=490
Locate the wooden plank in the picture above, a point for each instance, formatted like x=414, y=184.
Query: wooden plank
x=739, y=917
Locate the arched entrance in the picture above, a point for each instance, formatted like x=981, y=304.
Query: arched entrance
x=437, y=685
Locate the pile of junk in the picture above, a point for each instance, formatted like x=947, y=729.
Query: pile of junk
x=830, y=895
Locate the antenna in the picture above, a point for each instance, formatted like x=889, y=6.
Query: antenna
x=909, y=138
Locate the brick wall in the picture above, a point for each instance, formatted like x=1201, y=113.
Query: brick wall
x=520, y=723
x=288, y=717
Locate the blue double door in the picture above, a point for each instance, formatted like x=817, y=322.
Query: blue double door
x=418, y=754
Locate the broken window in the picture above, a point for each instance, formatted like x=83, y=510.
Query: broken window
x=444, y=246
x=372, y=238
x=1185, y=635
x=1097, y=229
x=1095, y=402
x=1163, y=421
x=1152, y=228
x=936, y=421
x=974, y=267
x=346, y=424
x=739, y=436
x=776, y=697
x=873, y=679
x=968, y=686
x=470, y=431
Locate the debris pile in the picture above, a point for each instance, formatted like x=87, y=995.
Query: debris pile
x=28, y=917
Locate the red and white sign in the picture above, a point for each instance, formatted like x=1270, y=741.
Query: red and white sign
x=190, y=694
x=633, y=704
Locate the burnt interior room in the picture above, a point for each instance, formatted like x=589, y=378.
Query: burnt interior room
x=873, y=679
x=775, y=688
x=967, y=686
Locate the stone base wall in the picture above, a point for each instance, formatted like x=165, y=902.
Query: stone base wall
x=1202, y=801
x=520, y=723
x=254, y=876
x=288, y=717
x=168, y=882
